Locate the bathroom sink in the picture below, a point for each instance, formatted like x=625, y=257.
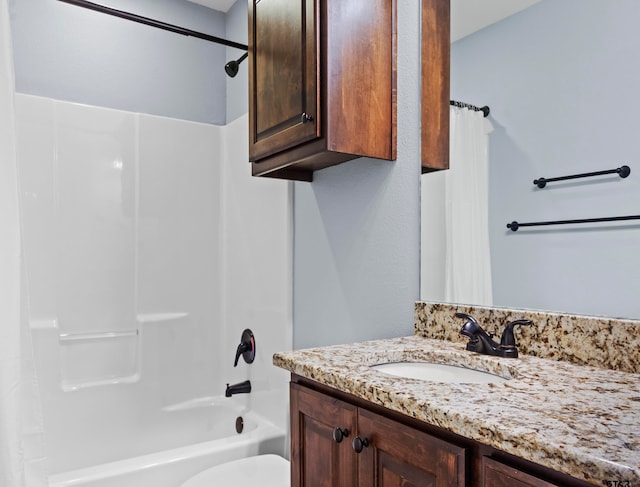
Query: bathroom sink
x=434, y=372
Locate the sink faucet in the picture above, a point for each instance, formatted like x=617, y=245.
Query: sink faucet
x=482, y=342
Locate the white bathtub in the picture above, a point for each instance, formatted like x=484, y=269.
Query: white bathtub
x=172, y=458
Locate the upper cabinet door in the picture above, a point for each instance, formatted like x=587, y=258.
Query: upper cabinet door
x=435, y=84
x=283, y=75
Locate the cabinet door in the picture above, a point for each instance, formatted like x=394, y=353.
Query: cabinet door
x=317, y=459
x=283, y=75
x=400, y=456
x=435, y=85
x=497, y=474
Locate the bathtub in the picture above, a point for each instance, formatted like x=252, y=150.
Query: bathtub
x=171, y=457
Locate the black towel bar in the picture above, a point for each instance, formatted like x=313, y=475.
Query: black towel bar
x=623, y=172
x=513, y=226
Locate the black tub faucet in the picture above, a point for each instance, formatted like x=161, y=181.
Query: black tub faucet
x=482, y=342
x=240, y=388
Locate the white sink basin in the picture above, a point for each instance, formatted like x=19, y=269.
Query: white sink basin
x=438, y=373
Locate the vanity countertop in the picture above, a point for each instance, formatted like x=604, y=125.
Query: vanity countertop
x=578, y=419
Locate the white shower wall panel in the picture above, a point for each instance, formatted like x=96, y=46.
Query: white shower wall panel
x=94, y=189
x=148, y=249
x=35, y=140
x=257, y=266
x=178, y=253
x=179, y=214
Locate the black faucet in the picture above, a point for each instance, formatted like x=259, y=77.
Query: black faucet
x=240, y=388
x=482, y=342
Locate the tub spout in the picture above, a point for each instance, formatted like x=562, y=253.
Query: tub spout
x=240, y=388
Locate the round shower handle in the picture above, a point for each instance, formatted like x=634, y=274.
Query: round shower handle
x=360, y=444
x=305, y=117
x=339, y=434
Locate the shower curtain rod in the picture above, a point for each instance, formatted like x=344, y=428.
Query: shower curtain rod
x=460, y=104
x=154, y=23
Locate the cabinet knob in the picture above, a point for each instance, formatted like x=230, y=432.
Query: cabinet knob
x=359, y=444
x=340, y=434
x=305, y=117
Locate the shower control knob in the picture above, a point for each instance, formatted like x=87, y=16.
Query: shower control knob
x=360, y=444
x=306, y=118
x=340, y=434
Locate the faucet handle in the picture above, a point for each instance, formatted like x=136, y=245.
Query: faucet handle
x=508, y=340
x=247, y=348
x=465, y=316
x=470, y=328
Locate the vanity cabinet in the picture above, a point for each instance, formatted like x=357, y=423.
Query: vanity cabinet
x=496, y=474
x=336, y=444
x=320, y=455
x=322, y=84
x=339, y=440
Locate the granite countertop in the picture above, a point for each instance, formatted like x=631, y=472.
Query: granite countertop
x=578, y=419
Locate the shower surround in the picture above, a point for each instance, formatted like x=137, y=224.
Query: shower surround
x=148, y=248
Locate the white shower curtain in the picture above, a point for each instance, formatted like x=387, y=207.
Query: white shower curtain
x=455, y=254
x=468, y=256
x=22, y=461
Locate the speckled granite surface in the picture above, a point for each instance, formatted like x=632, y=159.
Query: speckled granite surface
x=580, y=420
x=584, y=340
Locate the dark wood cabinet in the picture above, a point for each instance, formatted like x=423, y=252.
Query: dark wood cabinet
x=435, y=50
x=496, y=474
x=398, y=455
x=339, y=440
x=336, y=444
x=320, y=456
x=322, y=84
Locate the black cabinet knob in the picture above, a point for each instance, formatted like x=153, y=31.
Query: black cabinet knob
x=340, y=434
x=359, y=444
x=306, y=118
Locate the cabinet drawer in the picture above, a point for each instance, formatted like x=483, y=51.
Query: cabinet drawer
x=496, y=474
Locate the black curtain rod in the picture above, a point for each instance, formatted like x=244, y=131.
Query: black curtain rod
x=513, y=226
x=154, y=23
x=460, y=104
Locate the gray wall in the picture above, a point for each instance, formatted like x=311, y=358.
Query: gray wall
x=237, y=26
x=70, y=53
x=356, y=228
x=562, y=81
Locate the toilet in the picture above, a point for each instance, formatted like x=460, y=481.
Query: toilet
x=258, y=471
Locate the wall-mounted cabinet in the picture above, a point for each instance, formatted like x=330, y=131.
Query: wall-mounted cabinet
x=435, y=84
x=322, y=84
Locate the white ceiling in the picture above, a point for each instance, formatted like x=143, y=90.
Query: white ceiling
x=222, y=5
x=467, y=16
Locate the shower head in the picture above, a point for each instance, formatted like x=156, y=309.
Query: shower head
x=231, y=67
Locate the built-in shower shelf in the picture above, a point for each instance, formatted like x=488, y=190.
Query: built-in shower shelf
x=104, y=335
x=43, y=324
x=69, y=386
x=196, y=403
x=159, y=317
x=99, y=358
